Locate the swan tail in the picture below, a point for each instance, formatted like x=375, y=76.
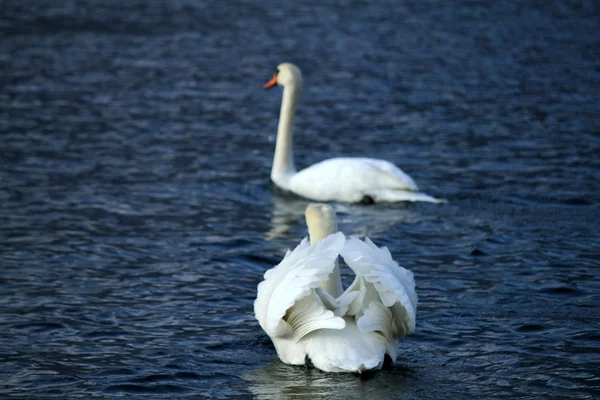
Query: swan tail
x=403, y=195
x=346, y=350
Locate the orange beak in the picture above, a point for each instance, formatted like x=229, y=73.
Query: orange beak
x=272, y=82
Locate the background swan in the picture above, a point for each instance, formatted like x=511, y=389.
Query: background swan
x=301, y=304
x=343, y=179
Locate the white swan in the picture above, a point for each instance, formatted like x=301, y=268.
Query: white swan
x=343, y=179
x=302, y=307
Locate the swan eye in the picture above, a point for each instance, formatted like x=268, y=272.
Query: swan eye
x=277, y=72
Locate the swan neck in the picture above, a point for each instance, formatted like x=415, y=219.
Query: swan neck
x=321, y=222
x=283, y=163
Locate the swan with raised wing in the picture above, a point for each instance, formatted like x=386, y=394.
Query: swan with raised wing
x=303, y=308
x=346, y=179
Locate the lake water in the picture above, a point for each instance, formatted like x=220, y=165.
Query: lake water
x=137, y=216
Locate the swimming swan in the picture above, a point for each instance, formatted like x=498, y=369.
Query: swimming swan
x=343, y=179
x=302, y=307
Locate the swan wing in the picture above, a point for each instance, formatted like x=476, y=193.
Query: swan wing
x=403, y=180
x=382, y=297
x=290, y=300
x=350, y=179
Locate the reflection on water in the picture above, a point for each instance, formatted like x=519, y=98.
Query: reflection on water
x=284, y=382
x=353, y=219
x=287, y=212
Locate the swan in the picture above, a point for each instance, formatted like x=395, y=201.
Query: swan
x=303, y=308
x=346, y=179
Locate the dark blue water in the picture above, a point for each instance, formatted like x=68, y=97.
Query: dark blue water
x=137, y=217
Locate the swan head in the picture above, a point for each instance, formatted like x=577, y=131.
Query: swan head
x=287, y=74
x=321, y=221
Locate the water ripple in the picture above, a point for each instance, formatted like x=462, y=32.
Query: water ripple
x=136, y=147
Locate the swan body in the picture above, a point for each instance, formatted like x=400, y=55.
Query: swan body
x=343, y=179
x=303, y=308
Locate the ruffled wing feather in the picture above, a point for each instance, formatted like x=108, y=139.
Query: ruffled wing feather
x=386, y=301
x=290, y=299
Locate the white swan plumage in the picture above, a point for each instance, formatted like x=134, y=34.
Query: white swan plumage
x=344, y=179
x=301, y=304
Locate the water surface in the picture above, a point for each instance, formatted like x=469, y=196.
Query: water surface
x=137, y=217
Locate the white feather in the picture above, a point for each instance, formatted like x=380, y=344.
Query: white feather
x=294, y=278
x=394, y=284
x=340, y=179
x=352, y=333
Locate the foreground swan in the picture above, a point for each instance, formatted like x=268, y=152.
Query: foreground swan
x=301, y=306
x=343, y=179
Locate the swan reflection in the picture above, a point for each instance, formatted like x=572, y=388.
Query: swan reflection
x=277, y=381
x=287, y=218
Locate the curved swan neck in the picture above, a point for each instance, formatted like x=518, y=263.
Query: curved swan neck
x=283, y=163
x=321, y=222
